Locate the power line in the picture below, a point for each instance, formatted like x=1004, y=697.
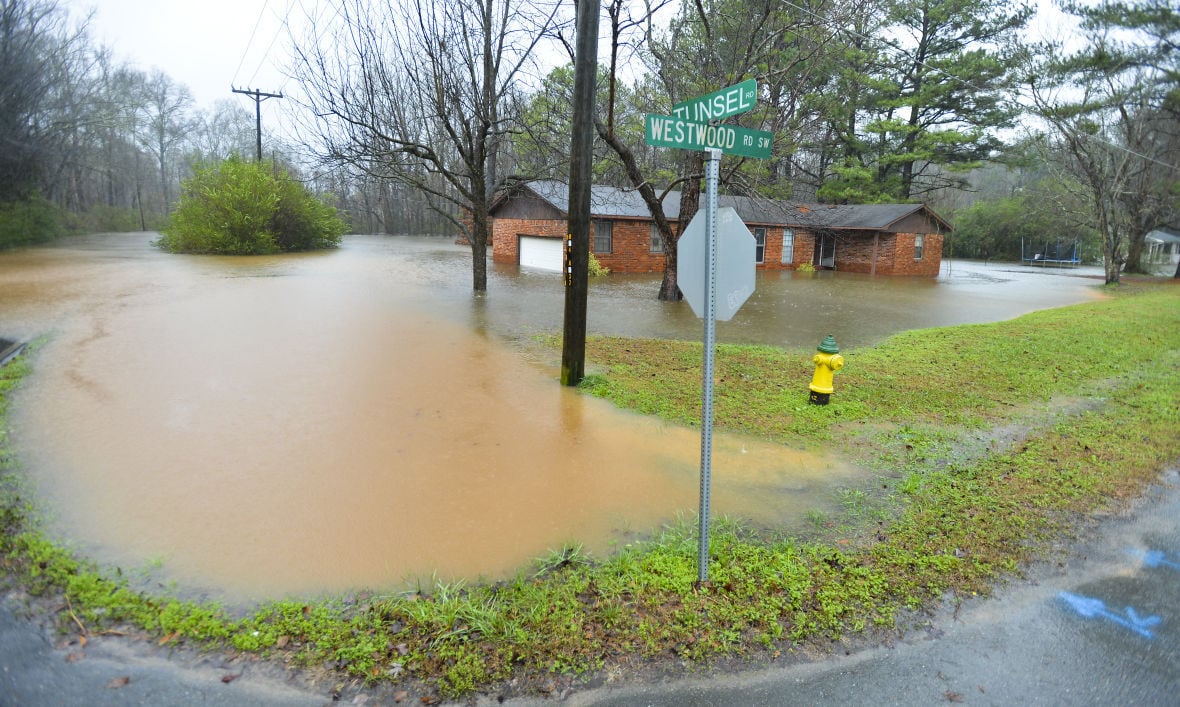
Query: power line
x=316, y=22
x=275, y=38
x=250, y=41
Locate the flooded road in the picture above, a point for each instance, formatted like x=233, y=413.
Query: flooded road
x=355, y=418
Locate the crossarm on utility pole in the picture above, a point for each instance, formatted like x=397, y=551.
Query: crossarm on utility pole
x=259, y=97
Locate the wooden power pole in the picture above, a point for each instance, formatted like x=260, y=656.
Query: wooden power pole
x=259, y=97
x=577, y=240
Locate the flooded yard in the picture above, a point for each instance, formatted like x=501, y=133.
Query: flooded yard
x=356, y=418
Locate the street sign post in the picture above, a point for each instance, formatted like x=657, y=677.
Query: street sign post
x=719, y=104
x=668, y=131
x=689, y=130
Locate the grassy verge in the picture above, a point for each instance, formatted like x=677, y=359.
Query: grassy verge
x=964, y=375
x=954, y=513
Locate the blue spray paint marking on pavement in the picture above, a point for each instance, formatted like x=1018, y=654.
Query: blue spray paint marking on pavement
x=1155, y=558
x=1090, y=608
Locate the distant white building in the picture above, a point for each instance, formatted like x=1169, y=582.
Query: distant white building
x=1163, y=247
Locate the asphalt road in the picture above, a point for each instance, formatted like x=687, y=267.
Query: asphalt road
x=1097, y=625
x=37, y=668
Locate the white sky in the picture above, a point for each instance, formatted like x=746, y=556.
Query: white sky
x=208, y=45
x=199, y=43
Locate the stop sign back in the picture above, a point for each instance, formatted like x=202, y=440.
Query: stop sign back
x=735, y=263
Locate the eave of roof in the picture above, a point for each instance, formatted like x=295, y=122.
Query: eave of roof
x=1161, y=235
x=615, y=202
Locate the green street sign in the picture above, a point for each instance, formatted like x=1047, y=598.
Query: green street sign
x=719, y=104
x=666, y=131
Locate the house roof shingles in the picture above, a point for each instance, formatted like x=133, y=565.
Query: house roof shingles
x=615, y=202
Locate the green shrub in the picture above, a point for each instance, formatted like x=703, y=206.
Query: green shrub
x=26, y=222
x=242, y=208
x=597, y=269
x=303, y=222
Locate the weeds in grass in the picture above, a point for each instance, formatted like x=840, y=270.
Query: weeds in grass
x=854, y=501
x=571, y=555
x=816, y=518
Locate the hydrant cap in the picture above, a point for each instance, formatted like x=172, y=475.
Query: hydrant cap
x=829, y=345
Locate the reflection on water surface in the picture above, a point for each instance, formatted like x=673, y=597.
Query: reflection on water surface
x=355, y=418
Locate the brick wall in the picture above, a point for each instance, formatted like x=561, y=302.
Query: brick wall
x=804, y=248
x=866, y=253
x=772, y=258
x=630, y=242
x=631, y=248
x=893, y=252
x=803, y=252
x=928, y=266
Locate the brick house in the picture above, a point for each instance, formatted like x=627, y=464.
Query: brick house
x=529, y=222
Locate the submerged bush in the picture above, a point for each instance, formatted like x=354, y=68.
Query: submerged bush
x=242, y=208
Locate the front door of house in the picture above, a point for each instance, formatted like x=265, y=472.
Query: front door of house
x=825, y=251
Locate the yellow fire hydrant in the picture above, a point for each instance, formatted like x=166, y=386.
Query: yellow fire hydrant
x=827, y=362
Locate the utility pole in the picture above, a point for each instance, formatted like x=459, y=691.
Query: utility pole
x=577, y=240
x=259, y=97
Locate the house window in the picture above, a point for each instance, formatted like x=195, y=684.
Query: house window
x=603, y=236
x=759, y=245
x=788, y=246
x=657, y=242
x=919, y=246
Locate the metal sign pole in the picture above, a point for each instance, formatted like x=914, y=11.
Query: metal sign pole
x=712, y=162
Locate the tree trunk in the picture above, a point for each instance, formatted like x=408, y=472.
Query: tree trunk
x=1177, y=275
x=1110, y=248
x=479, y=264
x=1135, y=255
x=690, y=200
x=669, y=289
x=654, y=206
x=480, y=225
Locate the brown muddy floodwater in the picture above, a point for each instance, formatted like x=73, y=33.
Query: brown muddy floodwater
x=259, y=427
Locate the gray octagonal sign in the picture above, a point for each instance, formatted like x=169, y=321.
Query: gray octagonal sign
x=735, y=263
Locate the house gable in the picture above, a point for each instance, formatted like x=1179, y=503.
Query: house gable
x=526, y=204
x=919, y=222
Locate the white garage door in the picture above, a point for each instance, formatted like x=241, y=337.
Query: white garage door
x=542, y=253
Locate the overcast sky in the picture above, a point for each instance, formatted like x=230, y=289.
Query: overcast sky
x=210, y=44
x=205, y=44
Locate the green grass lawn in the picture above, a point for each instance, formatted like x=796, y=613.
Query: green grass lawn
x=987, y=443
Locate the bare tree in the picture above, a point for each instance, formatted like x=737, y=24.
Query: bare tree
x=81, y=131
x=225, y=129
x=418, y=92
x=72, y=104
x=706, y=46
x=39, y=48
x=164, y=107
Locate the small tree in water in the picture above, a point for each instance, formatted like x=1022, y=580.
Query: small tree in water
x=243, y=208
